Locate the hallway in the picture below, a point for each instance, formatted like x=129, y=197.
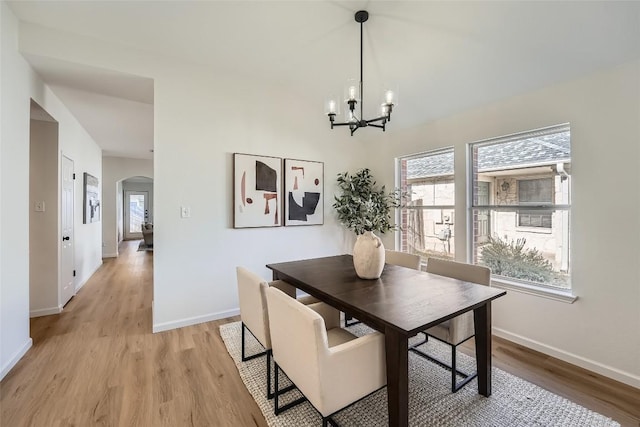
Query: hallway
x=98, y=363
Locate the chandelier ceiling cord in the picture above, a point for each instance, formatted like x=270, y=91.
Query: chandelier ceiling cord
x=354, y=95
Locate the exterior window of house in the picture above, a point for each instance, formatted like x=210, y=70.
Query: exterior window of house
x=535, y=192
x=520, y=202
x=427, y=219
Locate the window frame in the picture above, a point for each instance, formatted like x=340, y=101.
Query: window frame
x=538, y=289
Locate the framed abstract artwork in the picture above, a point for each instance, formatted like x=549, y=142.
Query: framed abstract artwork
x=257, y=191
x=303, y=192
x=91, y=193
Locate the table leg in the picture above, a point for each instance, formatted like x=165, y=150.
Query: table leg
x=396, y=345
x=482, y=325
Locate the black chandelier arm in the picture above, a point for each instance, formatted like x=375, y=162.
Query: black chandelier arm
x=377, y=119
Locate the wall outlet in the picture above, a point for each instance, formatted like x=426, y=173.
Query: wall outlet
x=185, y=212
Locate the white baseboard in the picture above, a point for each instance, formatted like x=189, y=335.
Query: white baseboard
x=16, y=358
x=110, y=255
x=174, y=324
x=81, y=284
x=45, y=311
x=607, y=371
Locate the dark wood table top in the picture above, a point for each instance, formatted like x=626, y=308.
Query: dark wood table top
x=404, y=299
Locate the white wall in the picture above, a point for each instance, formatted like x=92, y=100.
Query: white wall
x=14, y=192
x=114, y=170
x=600, y=330
x=198, y=128
x=43, y=226
x=18, y=84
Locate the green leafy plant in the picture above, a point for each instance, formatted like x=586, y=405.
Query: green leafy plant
x=510, y=258
x=362, y=206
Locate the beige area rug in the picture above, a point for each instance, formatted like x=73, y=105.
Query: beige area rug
x=514, y=402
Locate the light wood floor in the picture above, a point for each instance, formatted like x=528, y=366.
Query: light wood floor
x=98, y=363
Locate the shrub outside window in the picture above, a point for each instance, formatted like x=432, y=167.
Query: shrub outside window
x=520, y=207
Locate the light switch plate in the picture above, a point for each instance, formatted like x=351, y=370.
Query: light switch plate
x=39, y=206
x=185, y=212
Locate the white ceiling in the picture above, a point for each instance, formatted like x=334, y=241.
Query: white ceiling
x=444, y=56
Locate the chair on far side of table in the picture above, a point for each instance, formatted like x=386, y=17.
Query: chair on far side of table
x=403, y=259
x=461, y=328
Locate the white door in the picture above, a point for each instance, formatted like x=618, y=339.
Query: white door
x=136, y=213
x=67, y=286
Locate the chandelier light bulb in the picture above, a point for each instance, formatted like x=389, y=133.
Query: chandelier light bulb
x=332, y=106
x=352, y=93
x=388, y=96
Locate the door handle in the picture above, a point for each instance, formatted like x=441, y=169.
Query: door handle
x=66, y=238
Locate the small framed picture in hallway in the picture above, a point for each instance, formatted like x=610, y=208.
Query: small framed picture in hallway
x=91, y=199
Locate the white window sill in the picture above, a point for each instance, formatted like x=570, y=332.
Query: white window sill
x=544, y=292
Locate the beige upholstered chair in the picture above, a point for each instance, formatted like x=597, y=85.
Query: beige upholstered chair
x=255, y=316
x=459, y=329
x=402, y=259
x=331, y=367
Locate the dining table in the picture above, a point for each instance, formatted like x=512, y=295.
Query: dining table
x=401, y=303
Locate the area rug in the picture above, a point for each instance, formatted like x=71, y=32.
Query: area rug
x=143, y=247
x=514, y=402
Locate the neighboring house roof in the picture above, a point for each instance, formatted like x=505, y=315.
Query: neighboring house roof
x=433, y=165
x=533, y=151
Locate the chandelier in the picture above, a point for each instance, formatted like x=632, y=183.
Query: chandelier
x=354, y=95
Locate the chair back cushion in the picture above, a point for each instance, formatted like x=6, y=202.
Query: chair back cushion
x=253, y=305
x=402, y=259
x=460, y=328
x=299, y=339
x=459, y=270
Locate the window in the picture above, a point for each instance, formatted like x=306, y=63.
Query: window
x=532, y=192
x=520, y=207
x=427, y=219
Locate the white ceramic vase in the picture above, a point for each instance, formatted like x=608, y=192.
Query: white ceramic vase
x=368, y=256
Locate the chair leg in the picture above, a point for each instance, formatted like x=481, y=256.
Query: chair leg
x=347, y=319
x=253, y=356
x=269, y=393
x=328, y=421
x=276, y=392
x=453, y=368
x=426, y=339
x=242, y=340
x=277, y=409
x=244, y=356
x=454, y=371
